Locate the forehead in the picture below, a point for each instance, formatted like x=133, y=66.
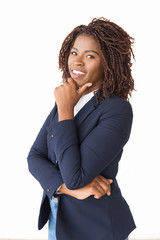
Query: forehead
x=86, y=42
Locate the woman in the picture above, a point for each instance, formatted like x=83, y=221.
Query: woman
x=76, y=153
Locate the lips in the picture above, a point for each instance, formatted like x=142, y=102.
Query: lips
x=75, y=73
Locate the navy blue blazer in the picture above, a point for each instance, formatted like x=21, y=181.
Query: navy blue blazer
x=74, y=152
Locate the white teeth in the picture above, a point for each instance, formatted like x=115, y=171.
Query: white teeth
x=78, y=72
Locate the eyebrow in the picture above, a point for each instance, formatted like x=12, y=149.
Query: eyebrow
x=87, y=50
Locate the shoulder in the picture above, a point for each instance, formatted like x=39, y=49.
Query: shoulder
x=116, y=104
x=117, y=114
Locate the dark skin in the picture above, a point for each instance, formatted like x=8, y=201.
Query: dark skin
x=86, y=71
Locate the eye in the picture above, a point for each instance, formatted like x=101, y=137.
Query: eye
x=73, y=53
x=90, y=56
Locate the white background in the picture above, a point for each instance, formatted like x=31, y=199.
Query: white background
x=31, y=33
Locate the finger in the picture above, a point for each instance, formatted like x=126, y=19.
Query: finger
x=109, y=186
x=83, y=88
x=102, y=186
x=70, y=80
x=109, y=190
x=105, y=183
x=101, y=189
x=110, y=181
x=98, y=192
x=105, y=179
x=97, y=189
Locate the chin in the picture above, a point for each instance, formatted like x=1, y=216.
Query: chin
x=78, y=84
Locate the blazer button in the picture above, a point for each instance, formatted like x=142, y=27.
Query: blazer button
x=52, y=136
x=48, y=190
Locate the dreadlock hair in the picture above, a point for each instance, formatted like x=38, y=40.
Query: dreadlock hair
x=116, y=49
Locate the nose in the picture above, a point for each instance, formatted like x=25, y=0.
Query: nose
x=78, y=61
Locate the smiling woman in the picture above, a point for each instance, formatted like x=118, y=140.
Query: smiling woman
x=76, y=153
x=115, y=48
x=85, y=62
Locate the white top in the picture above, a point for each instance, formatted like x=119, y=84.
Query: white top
x=82, y=101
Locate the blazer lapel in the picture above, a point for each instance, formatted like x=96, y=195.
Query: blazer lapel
x=86, y=110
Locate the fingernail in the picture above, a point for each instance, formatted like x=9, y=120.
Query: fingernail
x=89, y=84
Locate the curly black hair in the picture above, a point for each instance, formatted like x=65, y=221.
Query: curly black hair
x=116, y=48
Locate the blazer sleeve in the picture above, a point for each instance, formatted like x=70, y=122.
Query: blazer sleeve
x=81, y=163
x=42, y=168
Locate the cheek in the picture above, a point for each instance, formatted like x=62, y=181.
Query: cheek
x=97, y=67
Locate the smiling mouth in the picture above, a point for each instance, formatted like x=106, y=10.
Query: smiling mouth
x=77, y=73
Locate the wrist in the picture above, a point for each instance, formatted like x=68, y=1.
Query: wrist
x=63, y=189
x=64, y=114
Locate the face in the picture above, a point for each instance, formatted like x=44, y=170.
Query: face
x=85, y=62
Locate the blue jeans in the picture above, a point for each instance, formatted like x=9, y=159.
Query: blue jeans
x=52, y=219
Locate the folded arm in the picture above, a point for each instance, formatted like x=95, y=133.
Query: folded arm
x=80, y=163
x=98, y=187
x=49, y=176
